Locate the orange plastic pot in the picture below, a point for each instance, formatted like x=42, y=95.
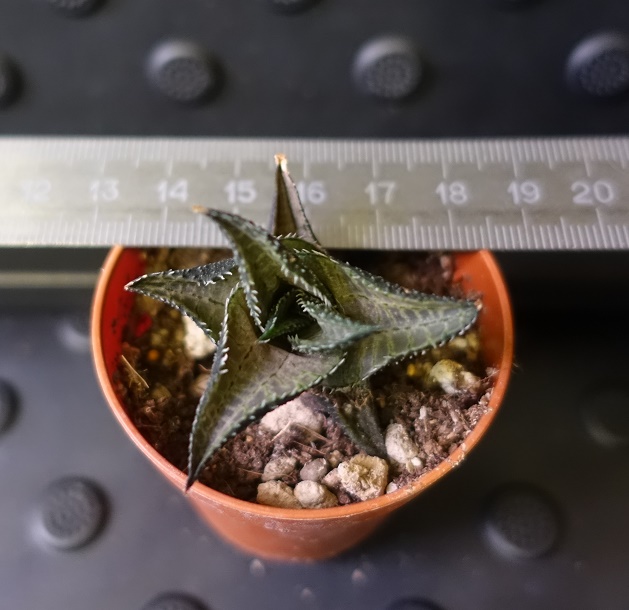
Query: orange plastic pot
x=290, y=534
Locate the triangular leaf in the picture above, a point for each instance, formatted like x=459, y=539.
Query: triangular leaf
x=264, y=264
x=298, y=244
x=409, y=321
x=287, y=215
x=355, y=410
x=247, y=377
x=332, y=331
x=284, y=318
x=284, y=327
x=188, y=290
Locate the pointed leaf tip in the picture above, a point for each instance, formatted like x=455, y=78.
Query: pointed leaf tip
x=189, y=483
x=280, y=161
x=130, y=286
x=199, y=292
x=288, y=215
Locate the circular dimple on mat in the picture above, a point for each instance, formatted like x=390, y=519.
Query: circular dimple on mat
x=388, y=68
x=290, y=6
x=74, y=332
x=599, y=65
x=9, y=81
x=174, y=601
x=8, y=405
x=606, y=415
x=74, y=8
x=521, y=522
x=70, y=513
x=413, y=604
x=183, y=71
x=514, y=4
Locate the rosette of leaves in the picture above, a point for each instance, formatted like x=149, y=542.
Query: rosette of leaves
x=286, y=317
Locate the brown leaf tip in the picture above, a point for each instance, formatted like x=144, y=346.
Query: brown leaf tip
x=280, y=160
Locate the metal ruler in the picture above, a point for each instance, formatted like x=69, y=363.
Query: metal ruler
x=506, y=194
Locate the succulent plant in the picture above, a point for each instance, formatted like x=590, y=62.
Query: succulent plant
x=286, y=317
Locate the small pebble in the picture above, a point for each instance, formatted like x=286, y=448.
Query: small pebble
x=414, y=465
x=465, y=347
x=160, y=391
x=332, y=479
x=278, y=494
x=293, y=412
x=364, y=476
x=469, y=345
x=195, y=342
x=314, y=495
x=335, y=458
x=278, y=468
x=400, y=446
x=391, y=487
x=314, y=470
x=199, y=384
x=452, y=377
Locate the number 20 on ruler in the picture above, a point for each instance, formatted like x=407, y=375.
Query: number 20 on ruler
x=584, y=192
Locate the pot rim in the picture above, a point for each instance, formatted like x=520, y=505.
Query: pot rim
x=202, y=492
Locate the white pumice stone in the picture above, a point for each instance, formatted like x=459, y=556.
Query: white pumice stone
x=293, y=413
x=332, y=479
x=278, y=494
x=452, y=377
x=399, y=445
x=335, y=458
x=196, y=343
x=314, y=495
x=199, y=384
x=364, y=476
x=469, y=344
x=278, y=468
x=314, y=470
x=391, y=487
x=414, y=464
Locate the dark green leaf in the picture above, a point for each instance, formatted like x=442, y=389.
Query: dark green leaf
x=408, y=321
x=265, y=265
x=288, y=216
x=200, y=292
x=333, y=331
x=247, y=377
x=284, y=318
x=355, y=410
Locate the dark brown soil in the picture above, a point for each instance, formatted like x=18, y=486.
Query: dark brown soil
x=156, y=380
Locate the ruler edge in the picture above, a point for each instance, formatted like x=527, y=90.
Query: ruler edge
x=163, y=148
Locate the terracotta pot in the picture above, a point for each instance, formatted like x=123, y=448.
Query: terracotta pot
x=289, y=534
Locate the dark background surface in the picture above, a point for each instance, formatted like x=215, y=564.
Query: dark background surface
x=492, y=68
x=488, y=69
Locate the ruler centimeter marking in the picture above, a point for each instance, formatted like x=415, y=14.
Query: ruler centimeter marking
x=504, y=194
